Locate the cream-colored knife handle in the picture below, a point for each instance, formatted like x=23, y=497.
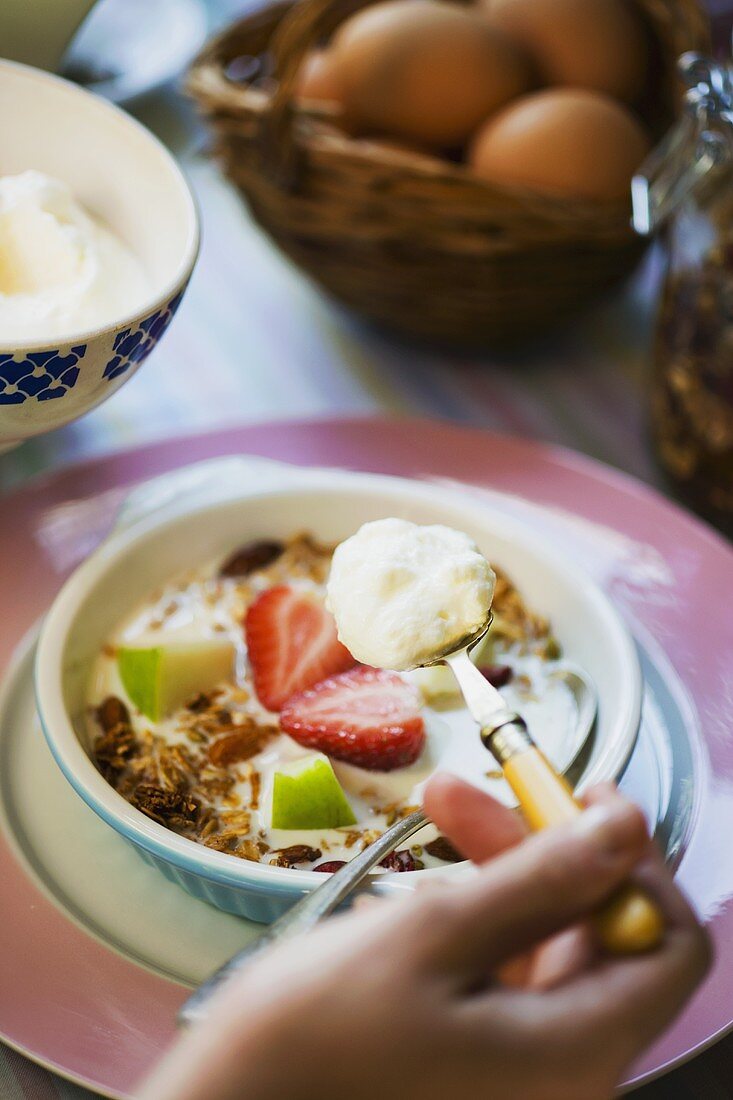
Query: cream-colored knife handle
x=630, y=922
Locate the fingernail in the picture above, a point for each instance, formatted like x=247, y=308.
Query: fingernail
x=614, y=828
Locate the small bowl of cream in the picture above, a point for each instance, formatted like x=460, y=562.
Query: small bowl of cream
x=98, y=238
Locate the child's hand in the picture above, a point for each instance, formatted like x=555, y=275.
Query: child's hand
x=448, y=992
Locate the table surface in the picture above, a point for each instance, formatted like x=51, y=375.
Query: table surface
x=253, y=341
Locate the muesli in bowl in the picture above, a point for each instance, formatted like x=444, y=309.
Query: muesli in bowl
x=225, y=708
x=157, y=553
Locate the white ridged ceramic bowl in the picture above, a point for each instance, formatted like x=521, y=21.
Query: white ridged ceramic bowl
x=156, y=543
x=124, y=176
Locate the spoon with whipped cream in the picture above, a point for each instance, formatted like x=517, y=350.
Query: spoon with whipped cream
x=406, y=596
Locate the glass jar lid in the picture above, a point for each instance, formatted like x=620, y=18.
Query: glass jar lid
x=695, y=151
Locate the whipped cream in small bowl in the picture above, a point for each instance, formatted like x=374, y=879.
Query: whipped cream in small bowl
x=98, y=238
x=61, y=270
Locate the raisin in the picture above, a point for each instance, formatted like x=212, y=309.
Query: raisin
x=255, y=555
x=441, y=848
x=402, y=861
x=330, y=865
x=111, y=713
x=497, y=675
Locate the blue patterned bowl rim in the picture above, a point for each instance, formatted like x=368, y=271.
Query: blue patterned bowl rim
x=163, y=294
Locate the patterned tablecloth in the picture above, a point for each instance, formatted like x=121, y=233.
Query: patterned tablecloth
x=254, y=341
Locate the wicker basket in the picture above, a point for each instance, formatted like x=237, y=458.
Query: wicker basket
x=410, y=241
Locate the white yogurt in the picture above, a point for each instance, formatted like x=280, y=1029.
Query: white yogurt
x=61, y=272
x=402, y=593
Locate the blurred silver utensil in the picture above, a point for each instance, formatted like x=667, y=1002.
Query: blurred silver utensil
x=306, y=913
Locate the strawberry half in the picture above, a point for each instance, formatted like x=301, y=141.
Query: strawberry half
x=292, y=644
x=366, y=717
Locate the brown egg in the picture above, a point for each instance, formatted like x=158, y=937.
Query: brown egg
x=561, y=141
x=426, y=71
x=317, y=78
x=596, y=44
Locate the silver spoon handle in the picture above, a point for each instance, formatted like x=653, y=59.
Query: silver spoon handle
x=306, y=913
x=485, y=703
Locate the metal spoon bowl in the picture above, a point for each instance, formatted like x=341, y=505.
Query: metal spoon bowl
x=585, y=695
x=467, y=642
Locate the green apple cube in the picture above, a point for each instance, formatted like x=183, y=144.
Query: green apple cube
x=159, y=679
x=307, y=795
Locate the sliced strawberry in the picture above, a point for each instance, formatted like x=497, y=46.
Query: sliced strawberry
x=366, y=717
x=292, y=644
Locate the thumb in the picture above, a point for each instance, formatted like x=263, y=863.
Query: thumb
x=478, y=825
x=550, y=882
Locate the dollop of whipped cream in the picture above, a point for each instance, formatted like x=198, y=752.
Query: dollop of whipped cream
x=402, y=593
x=61, y=272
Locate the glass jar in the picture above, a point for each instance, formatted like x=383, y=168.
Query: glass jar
x=687, y=186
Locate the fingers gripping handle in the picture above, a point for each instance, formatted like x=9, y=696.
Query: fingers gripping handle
x=630, y=922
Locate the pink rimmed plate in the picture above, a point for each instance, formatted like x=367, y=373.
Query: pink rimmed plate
x=97, y=951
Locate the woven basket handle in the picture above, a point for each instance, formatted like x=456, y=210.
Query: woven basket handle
x=307, y=22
